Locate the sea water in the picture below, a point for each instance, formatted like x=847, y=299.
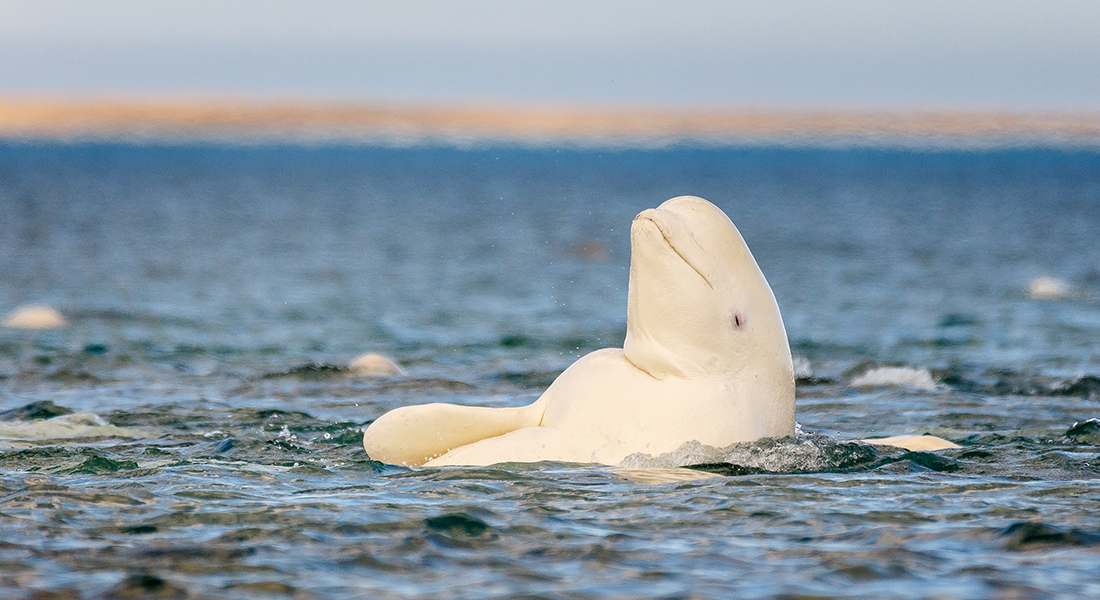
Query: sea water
x=194, y=430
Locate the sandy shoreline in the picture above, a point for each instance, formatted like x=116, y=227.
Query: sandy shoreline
x=250, y=121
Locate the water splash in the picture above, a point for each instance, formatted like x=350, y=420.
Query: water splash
x=799, y=453
x=911, y=377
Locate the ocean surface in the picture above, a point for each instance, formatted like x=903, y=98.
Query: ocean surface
x=195, y=432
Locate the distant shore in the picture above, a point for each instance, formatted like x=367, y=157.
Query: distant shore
x=252, y=122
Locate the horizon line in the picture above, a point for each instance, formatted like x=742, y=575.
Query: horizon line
x=250, y=120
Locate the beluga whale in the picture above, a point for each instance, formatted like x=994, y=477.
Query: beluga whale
x=705, y=359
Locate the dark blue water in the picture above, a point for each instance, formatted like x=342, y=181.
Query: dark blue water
x=202, y=432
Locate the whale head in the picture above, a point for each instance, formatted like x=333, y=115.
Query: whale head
x=698, y=305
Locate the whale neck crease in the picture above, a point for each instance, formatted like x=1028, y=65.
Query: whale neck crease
x=650, y=357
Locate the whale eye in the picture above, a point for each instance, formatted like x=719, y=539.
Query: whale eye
x=737, y=320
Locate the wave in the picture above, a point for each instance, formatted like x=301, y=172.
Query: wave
x=911, y=377
x=986, y=382
x=1011, y=383
x=800, y=453
x=65, y=426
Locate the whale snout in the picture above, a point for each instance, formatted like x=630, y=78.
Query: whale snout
x=669, y=229
x=652, y=216
x=648, y=223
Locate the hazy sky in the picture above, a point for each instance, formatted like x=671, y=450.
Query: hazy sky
x=828, y=53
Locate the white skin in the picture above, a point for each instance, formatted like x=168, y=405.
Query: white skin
x=705, y=358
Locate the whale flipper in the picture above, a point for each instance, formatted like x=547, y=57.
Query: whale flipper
x=413, y=435
x=913, y=442
x=530, y=444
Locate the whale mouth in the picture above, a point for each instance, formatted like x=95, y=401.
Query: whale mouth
x=667, y=234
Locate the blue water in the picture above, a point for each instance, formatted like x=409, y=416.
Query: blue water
x=202, y=434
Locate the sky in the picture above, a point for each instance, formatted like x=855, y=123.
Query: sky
x=967, y=54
